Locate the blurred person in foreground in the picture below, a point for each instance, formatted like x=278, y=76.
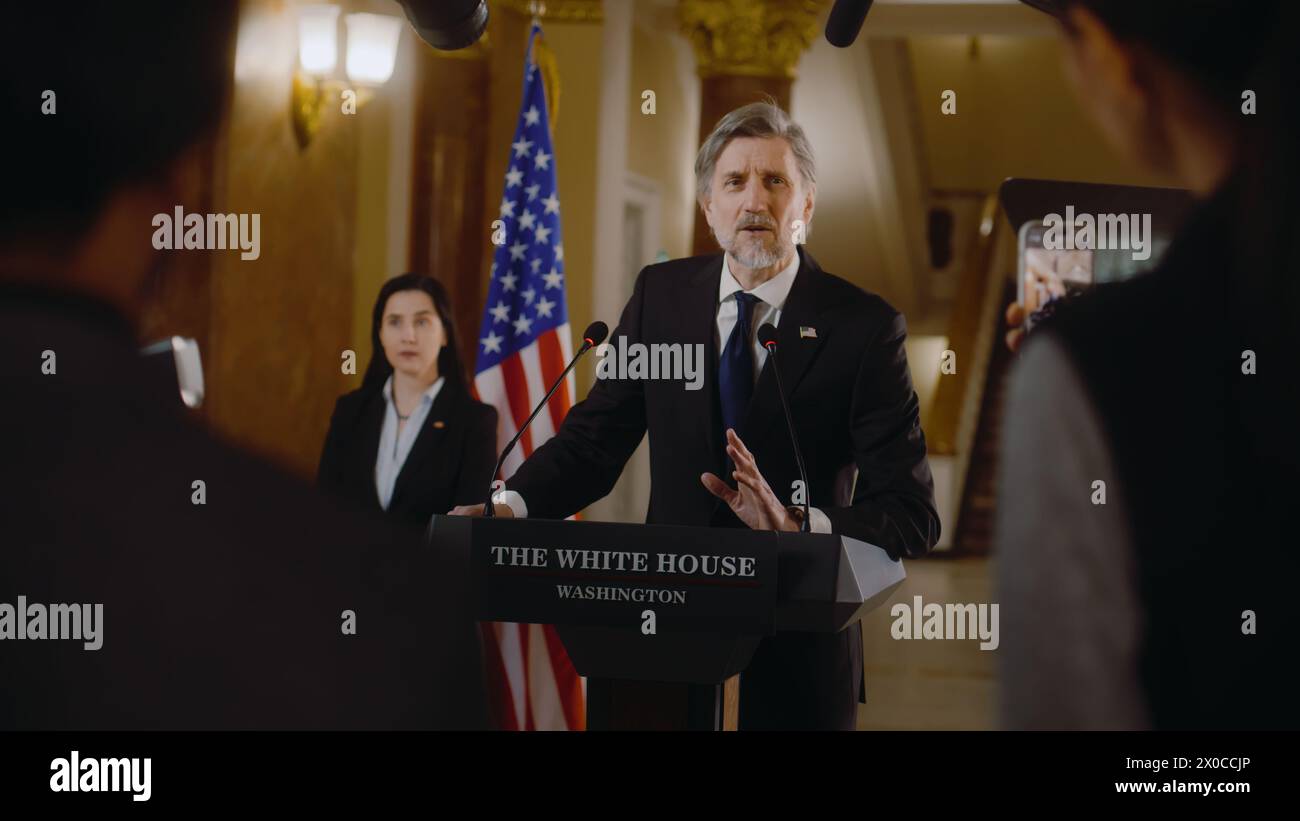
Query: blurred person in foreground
x=228, y=614
x=1161, y=607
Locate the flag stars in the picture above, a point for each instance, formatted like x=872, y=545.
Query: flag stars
x=519, y=281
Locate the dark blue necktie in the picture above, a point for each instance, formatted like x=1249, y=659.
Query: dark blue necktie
x=736, y=369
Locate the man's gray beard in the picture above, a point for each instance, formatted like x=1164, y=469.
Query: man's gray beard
x=755, y=257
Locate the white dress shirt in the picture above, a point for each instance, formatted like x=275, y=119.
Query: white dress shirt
x=772, y=295
x=393, y=449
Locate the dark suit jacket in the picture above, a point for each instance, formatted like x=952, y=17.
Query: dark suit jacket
x=450, y=463
x=226, y=614
x=853, y=405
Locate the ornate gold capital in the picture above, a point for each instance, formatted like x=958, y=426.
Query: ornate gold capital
x=564, y=11
x=756, y=38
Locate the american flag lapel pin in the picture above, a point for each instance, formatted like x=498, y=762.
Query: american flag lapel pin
x=807, y=333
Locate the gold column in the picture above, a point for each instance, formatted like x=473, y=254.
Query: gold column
x=746, y=51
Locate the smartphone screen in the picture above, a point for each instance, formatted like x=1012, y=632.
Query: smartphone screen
x=1046, y=275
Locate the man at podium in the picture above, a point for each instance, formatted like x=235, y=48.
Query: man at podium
x=721, y=455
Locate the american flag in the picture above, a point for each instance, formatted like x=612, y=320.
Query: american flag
x=523, y=347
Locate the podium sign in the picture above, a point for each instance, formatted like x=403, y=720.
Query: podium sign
x=658, y=617
x=590, y=574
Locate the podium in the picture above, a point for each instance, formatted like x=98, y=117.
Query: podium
x=662, y=619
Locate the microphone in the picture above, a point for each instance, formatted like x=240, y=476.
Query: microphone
x=767, y=337
x=845, y=22
x=447, y=24
x=593, y=336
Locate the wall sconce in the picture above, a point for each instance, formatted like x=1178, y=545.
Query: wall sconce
x=318, y=41
x=372, y=47
x=371, y=55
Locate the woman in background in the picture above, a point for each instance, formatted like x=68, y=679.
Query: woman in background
x=411, y=441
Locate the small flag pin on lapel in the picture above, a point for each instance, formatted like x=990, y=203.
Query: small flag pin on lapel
x=807, y=333
x=438, y=423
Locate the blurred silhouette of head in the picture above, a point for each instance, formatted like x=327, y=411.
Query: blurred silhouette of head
x=108, y=108
x=1164, y=79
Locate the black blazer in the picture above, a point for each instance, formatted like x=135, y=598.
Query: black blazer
x=854, y=406
x=450, y=463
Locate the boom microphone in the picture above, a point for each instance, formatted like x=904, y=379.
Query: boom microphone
x=447, y=24
x=846, y=21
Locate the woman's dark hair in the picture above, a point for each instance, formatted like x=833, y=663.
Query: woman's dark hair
x=1229, y=47
x=449, y=364
x=1216, y=43
x=172, y=62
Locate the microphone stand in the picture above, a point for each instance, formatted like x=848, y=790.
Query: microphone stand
x=588, y=343
x=806, y=525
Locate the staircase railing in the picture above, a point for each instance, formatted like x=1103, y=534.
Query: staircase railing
x=954, y=411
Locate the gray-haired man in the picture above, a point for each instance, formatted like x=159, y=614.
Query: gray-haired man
x=850, y=392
